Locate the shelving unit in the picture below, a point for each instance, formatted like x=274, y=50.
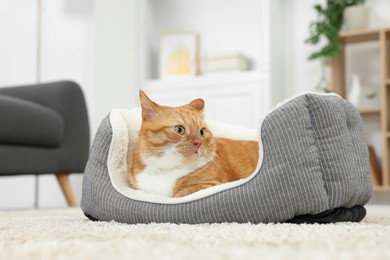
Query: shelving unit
x=338, y=83
x=367, y=111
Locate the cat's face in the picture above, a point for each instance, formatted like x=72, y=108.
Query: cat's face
x=175, y=136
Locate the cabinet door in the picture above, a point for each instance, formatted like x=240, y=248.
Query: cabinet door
x=234, y=105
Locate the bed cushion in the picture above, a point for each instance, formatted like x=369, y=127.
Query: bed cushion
x=313, y=161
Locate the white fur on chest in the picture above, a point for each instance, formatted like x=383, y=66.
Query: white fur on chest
x=159, y=181
x=160, y=174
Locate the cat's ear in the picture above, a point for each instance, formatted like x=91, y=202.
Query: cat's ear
x=149, y=108
x=197, y=104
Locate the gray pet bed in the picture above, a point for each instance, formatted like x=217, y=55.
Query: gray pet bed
x=313, y=167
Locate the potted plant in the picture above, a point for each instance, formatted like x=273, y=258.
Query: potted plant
x=327, y=27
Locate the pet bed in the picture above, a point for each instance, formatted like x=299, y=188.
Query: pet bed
x=313, y=167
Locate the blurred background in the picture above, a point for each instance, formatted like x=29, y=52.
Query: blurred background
x=241, y=57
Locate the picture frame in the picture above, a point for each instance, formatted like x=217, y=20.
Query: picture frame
x=179, y=55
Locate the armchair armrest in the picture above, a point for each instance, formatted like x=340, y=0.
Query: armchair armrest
x=27, y=123
x=67, y=99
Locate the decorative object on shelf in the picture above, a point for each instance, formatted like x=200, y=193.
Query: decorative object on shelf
x=179, y=54
x=369, y=97
x=229, y=61
x=327, y=27
x=353, y=95
x=356, y=17
x=363, y=97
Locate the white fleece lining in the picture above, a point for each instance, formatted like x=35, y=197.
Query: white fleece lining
x=125, y=126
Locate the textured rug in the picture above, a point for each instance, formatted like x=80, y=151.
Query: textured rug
x=67, y=234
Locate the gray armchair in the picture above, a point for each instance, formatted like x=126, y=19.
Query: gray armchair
x=44, y=129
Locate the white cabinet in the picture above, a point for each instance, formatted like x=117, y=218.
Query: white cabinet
x=229, y=98
x=234, y=105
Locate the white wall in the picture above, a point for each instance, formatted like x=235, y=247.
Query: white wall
x=18, y=20
x=300, y=75
x=68, y=44
x=67, y=53
x=117, y=76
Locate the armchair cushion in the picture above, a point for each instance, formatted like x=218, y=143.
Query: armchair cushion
x=27, y=123
x=52, y=112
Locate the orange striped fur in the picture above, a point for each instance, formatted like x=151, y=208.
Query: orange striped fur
x=174, y=142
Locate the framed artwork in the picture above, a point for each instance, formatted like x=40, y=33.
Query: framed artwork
x=179, y=55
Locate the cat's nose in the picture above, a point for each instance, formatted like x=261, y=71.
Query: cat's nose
x=198, y=143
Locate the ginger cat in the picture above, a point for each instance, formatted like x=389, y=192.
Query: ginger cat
x=176, y=154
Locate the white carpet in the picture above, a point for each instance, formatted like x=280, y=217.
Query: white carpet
x=67, y=234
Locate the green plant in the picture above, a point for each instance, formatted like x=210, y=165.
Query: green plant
x=328, y=25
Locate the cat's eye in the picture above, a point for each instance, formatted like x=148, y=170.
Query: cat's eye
x=202, y=132
x=180, y=129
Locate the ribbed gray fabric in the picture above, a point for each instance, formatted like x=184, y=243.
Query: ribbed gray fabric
x=315, y=159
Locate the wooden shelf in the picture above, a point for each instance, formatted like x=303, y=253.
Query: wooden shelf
x=381, y=188
x=366, y=111
x=358, y=36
